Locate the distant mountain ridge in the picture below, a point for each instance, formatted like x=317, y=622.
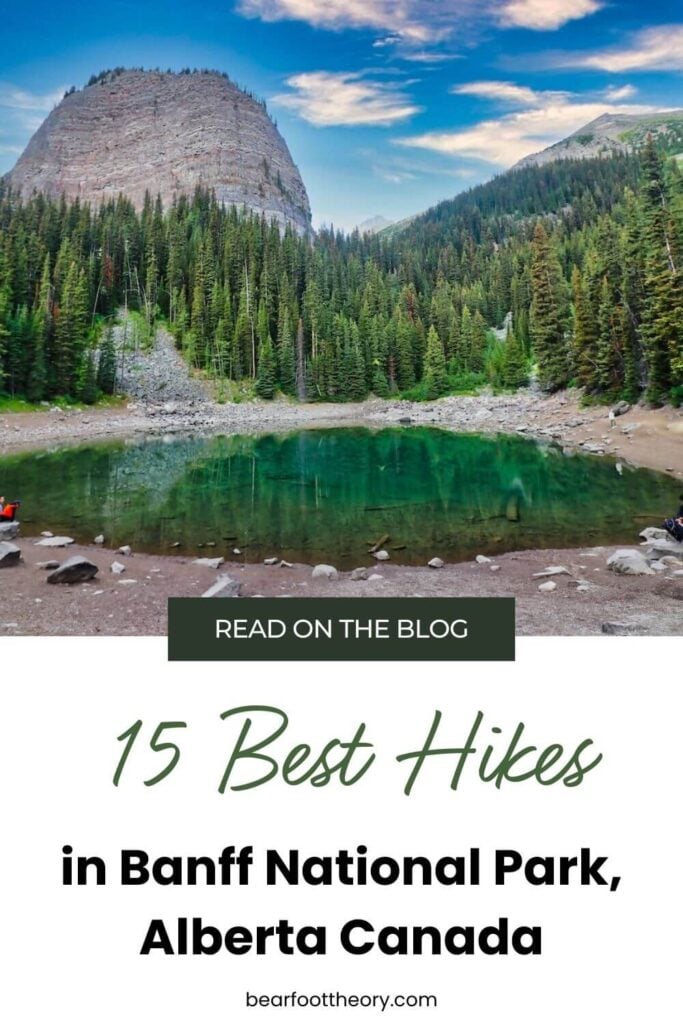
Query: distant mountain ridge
x=614, y=133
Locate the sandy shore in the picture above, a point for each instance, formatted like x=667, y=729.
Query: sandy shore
x=643, y=437
x=115, y=605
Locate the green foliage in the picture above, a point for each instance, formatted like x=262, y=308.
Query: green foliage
x=584, y=256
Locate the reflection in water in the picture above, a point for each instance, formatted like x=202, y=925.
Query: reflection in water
x=329, y=494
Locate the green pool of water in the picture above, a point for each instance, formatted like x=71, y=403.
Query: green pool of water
x=326, y=495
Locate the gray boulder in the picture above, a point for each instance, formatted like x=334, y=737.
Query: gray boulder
x=324, y=572
x=117, y=568
x=359, y=574
x=10, y=554
x=621, y=408
x=617, y=629
x=381, y=556
x=54, y=542
x=75, y=570
x=210, y=563
x=225, y=586
x=436, y=563
x=8, y=531
x=629, y=562
x=651, y=533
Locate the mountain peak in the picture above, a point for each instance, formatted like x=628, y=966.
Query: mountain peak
x=131, y=131
x=614, y=133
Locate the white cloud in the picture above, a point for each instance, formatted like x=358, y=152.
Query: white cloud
x=13, y=98
x=616, y=93
x=412, y=20
x=545, y=15
x=508, y=92
x=420, y=22
x=506, y=140
x=325, y=98
x=658, y=49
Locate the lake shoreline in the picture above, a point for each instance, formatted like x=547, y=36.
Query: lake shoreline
x=588, y=599
x=648, y=438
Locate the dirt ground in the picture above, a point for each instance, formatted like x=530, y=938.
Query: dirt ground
x=643, y=437
x=134, y=603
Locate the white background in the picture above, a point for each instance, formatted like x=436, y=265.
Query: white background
x=72, y=954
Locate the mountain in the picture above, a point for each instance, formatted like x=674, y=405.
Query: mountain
x=133, y=131
x=615, y=133
x=374, y=224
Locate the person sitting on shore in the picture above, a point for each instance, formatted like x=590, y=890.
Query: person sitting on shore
x=9, y=511
x=674, y=526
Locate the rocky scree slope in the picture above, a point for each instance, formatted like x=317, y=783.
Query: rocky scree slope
x=136, y=131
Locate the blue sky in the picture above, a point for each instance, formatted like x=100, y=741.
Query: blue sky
x=387, y=105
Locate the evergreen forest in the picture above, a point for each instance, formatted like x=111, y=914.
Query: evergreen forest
x=566, y=274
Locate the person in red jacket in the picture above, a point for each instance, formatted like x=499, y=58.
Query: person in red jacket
x=9, y=511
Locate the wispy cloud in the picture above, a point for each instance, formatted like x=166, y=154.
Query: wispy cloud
x=405, y=19
x=14, y=98
x=507, y=92
x=545, y=15
x=505, y=140
x=420, y=23
x=325, y=98
x=652, y=49
x=616, y=93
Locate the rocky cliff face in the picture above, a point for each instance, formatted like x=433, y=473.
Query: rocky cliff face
x=134, y=131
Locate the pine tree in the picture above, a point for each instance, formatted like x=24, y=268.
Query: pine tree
x=662, y=327
x=106, y=369
x=515, y=372
x=585, y=341
x=435, y=376
x=266, y=374
x=547, y=326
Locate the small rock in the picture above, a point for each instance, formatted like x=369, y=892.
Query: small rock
x=10, y=554
x=325, y=572
x=629, y=562
x=47, y=533
x=54, y=542
x=482, y=560
x=124, y=550
x=75, y=570
x=8, y=531
x=381, y=556
x=406, y=420
x=271, y=561
x=117, y=568
x=547, y=587
x=224, y=586
x=436, y=563
x=285, y=565
x=236, y=551
x=126, y=583
x=617, y=629
x=359, y=574
x=494, y=568
x=552, y=570
x=51, y=564
x=621, y=408
x=210, y=563
x=375, y=576
x=99, y=539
